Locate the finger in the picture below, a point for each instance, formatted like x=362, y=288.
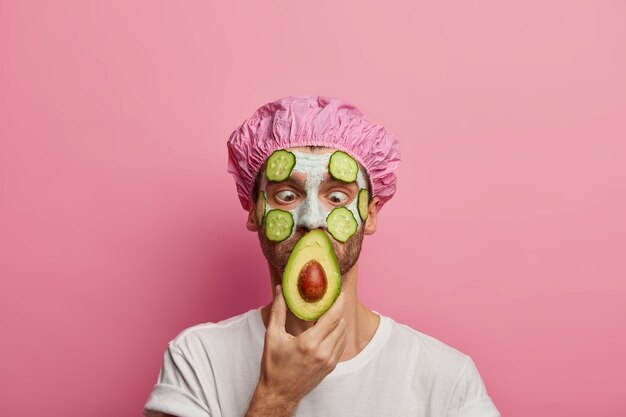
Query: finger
x=339, y=338
x=335, y=335
x=328, y=321
x=278, y=313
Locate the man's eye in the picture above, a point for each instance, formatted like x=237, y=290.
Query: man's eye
x=286, y=196
x=338, y=197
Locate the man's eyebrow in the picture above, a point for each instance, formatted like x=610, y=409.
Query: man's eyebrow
x=330, y=181
x=291, y=180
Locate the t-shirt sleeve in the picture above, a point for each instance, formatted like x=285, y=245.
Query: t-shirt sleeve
x=177, y=391
x=469, y=396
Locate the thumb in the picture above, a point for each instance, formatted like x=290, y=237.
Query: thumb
x=278, y=313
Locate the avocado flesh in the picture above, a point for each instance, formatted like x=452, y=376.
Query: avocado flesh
x=315, y=245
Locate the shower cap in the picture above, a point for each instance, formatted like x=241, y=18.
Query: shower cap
x=312, y=121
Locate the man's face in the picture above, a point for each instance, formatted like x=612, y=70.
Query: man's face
x=310, y=193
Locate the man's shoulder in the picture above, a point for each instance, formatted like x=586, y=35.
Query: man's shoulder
x=445, y=368
x=426, y=347
x=212, y=332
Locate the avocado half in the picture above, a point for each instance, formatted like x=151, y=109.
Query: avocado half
x=313, y=246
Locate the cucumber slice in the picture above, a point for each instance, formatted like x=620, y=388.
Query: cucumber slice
x=362, y=203
x=278, y=225
x=279, y=165
x=343, y=167
x=260, y=207
x=341, y=224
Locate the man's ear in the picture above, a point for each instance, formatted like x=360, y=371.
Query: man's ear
x=251, y=223
x=372, y=212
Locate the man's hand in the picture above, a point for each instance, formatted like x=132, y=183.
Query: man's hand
x=292, y=366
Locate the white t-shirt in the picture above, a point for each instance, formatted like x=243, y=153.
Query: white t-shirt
x=212, y=369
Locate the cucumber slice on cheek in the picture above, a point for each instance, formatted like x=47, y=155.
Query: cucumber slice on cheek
x=363, y=203
x=278, y=225
x=341, y=224
x=343, y=167
x=279, y=165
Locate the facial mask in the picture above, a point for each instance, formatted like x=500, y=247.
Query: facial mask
x=311, y=213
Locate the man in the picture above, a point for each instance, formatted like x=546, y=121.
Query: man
x=303, y=165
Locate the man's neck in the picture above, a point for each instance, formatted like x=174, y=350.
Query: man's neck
x=360, y=321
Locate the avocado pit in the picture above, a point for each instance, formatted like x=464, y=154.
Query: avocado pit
x=312, y=281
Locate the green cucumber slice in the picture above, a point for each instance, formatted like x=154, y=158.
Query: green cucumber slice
x=343, y=167
x=362, y=203
x=341, y=224
x=260, y=207
x=279, y=165
x=278, y=225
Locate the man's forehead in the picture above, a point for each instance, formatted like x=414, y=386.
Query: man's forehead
x=312, y=162
x=315, y=162
x=300, y=176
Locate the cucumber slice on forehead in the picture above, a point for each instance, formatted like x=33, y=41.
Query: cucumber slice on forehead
x=341, y=224
x=363, y=203
x=279, y=165
x=278, y=225
x=343, y=167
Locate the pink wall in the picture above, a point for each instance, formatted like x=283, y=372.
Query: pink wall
x=119, y=225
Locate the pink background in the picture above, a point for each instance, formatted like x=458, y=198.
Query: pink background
x=119, y=225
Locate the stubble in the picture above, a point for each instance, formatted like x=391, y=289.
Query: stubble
x=277, y=253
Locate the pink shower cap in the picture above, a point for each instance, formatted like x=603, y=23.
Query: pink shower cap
x=312, y=120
